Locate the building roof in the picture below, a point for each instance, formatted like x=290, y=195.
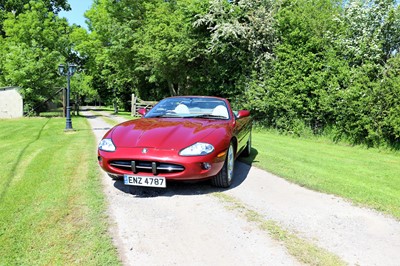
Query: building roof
x=10, y=88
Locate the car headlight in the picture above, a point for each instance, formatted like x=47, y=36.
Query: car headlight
x=196, y=149
x=106, y=145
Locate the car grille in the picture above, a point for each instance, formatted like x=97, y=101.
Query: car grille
x=147, y=167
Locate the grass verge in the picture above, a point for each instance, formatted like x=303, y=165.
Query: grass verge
x=125, y=114
x=304, y=251
x=369, y=177
x=52, y=209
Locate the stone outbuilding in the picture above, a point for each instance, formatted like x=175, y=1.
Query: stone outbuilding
x=11, y=103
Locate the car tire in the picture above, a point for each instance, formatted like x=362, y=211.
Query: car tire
x=246, y=152
x=224, y=178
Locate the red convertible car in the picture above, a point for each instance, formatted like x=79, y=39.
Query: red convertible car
x=181, y=138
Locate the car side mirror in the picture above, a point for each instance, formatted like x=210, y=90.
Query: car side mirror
x=243, y=113
x=142, y=111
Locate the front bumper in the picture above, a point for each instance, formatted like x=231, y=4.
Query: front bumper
x=155, y=162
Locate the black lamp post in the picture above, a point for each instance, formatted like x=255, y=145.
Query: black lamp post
x=67, y=71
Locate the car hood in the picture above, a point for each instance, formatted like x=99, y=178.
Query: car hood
x=165, y=133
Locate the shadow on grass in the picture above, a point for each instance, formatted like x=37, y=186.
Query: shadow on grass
x=51, y=114
x=17, y=161
x=251, y=158
x=94, y=109
x=90, y=116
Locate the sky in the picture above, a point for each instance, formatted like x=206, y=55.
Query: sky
x=75, y=15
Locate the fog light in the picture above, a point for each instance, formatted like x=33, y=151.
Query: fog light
x=206, y=166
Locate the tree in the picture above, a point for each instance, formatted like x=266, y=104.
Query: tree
x=289, y=96
x=331, y=71
x=367, y=43
x=388, y=102
x=36, y=42
x=165, y=44
x=87, y=47
x=147, y=47
x=112, y=27
x=18, y=6
x=241, y=39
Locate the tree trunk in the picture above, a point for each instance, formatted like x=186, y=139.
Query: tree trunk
x=172, y=90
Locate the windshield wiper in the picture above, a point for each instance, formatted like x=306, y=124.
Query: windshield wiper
x=164, y=116
x=209, y=116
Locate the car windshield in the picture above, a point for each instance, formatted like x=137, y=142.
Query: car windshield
x=190, y=107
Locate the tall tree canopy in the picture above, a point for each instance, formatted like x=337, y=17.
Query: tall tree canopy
x=35, y=42
x=321, y=66
x=19, y=6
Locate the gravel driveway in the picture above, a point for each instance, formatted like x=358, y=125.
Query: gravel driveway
x=185, y=224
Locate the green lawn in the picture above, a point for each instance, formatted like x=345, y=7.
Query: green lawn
x=369, y=177
x=52, y=209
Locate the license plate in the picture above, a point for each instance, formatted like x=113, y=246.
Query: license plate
x=145, y=181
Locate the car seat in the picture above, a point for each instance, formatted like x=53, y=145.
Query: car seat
x=181, y=109
x=220, y=110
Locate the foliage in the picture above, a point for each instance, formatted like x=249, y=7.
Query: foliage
x=389, y=101
x=165, y=45
x=35, y=42
x=303, y=67
x=18, y=6
x=82, y=81
x=146, y=47
x=368, y=43
x=289, y=96
x=108, y=46
x=331, y=71
x=241, y=41
x=245, y=26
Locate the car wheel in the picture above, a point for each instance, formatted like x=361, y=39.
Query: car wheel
x=224, y=177
x=246, y=152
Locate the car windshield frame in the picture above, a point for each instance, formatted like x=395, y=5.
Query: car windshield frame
x=190, y=107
